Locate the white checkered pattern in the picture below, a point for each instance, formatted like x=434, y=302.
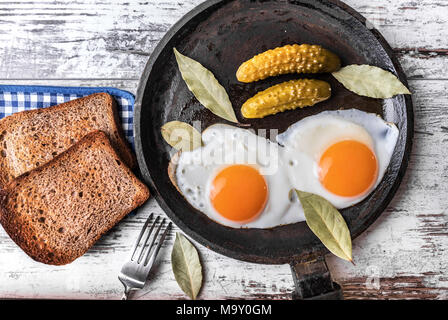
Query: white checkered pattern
x=19, y=98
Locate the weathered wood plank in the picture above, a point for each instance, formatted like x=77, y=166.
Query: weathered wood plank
x=404, y=23
x=56, y=39
x=405, y=249
x=424, y=64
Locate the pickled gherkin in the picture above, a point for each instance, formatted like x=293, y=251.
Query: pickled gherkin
x=286, y=96
x=294, y=58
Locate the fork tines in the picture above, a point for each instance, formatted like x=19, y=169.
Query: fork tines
x=144, y=256
x=135, y=271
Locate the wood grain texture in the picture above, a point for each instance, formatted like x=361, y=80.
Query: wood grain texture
x=63, y=40
x=403, y=255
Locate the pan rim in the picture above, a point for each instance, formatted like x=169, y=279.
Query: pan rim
x=145, y=173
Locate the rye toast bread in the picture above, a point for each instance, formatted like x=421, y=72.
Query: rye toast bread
x=29, y=139
x=57, y=211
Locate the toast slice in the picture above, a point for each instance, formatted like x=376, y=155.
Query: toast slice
x=31, y=138
x=57, y=211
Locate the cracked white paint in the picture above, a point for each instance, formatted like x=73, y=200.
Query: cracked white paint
x=406, y=247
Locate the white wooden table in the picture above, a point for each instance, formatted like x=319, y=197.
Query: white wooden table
x=404, y=254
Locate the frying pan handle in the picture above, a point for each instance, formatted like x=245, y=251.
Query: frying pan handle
x=313, y=281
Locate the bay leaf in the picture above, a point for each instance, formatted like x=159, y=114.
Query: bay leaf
x=186, y=266
x=181, y=135
x=370, y=81
x=205, y=87
x=327, y=224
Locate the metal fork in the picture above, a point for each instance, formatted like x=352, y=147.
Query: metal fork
x=134, y=273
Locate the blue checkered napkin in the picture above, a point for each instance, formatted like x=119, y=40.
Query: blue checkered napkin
x=19, y=98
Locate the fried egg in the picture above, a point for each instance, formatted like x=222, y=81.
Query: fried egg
x=242, y=180
x=340, y=155
x=238, y=179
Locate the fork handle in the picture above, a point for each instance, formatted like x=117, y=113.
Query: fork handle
x=126, y=294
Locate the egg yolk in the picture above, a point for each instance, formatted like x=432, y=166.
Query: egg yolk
x=239, y=193
x=348, y=168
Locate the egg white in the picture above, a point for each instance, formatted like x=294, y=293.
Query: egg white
x=292, y=164
x=306, y=141
x=225, y=145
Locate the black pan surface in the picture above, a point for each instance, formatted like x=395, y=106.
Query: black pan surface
x=223, y=34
